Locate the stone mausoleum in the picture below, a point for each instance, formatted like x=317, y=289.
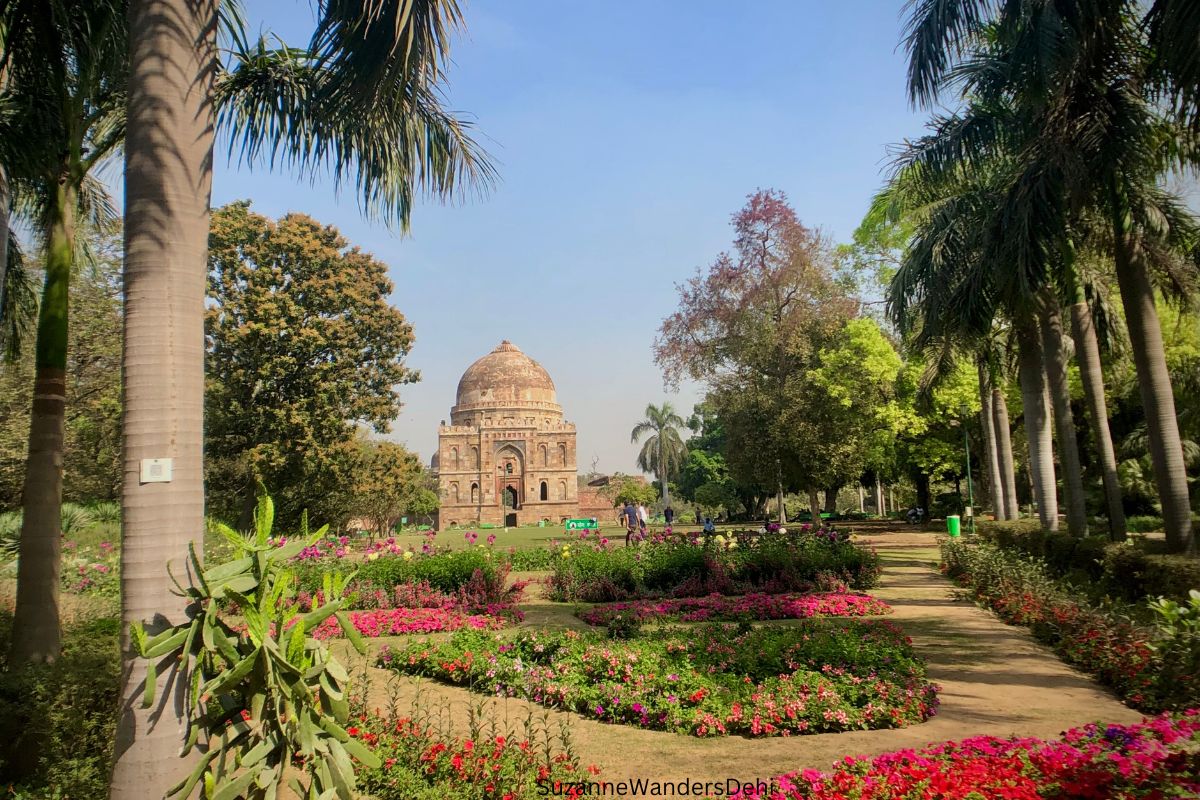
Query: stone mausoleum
x=508, y=456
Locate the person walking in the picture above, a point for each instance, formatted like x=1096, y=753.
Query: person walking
x=630, y=518
x=669, y=515
x=642, y=517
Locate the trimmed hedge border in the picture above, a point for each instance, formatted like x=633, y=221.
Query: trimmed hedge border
x=1123, y=570
x=1152, y=668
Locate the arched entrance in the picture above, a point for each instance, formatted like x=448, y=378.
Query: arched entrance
x=512, y=500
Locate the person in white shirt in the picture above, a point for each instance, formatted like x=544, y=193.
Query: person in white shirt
x=641, y=512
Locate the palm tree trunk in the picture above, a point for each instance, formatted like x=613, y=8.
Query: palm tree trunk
x=861, y=505
x=1037, y=421
x=1003, y=432
x=1091, y=373
x=1154, y=382
x=5, y=207
x=36, y=632
x=663, y=477
x=991, y=455
x=168, y=179
x=1054, y=351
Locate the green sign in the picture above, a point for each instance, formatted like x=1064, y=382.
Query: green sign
x=581, y=524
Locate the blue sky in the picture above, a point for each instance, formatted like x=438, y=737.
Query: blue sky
x=626, y=135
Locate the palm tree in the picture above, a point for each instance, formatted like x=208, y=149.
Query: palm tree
x=64, y=104
x=1091, y=373
x=949, y=288
x=1057, y=356
x=1063, y=86
x=375, y=121
x=663, y=451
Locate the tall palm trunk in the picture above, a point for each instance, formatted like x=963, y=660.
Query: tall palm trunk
x=168, y=178
x=1054, y=351
x=36, y=633
x=1037, y=421
x=662, y=477
x=1008, y=473
x=5, y=208
x=1154, y=383
x=1091, y=373
x=991, y=455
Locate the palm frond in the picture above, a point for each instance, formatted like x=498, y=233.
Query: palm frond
x=368, y=45
x=936, y=34
x=1173, y=27
x=18, y=302
x=277, y=106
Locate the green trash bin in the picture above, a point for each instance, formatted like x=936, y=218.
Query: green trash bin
x=952, y=525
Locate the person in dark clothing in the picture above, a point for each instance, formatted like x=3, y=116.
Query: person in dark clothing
x=630, y=516
x=669, y=514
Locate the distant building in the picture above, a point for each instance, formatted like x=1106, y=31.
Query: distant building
x=508, y=456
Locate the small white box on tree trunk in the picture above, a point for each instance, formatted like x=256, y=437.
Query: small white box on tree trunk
x=156, y=470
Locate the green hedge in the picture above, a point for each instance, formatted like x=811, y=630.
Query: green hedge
x=1126, y=571
x=681, y=569
x=446, y=572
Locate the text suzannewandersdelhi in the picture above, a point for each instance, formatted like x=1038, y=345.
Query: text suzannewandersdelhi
x=644, y=787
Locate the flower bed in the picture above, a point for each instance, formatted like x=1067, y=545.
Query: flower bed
x=817, y=676
x=755, y=606
x=1155, y=758
x=688, y=568
x=1152, y=668
x=418, y=763
x=401, y=621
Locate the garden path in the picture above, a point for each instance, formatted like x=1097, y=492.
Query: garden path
x=995, y=680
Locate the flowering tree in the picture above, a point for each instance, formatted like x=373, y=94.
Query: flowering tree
x=796, y=378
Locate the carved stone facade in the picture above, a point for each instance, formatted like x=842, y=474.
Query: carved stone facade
x=507, y=457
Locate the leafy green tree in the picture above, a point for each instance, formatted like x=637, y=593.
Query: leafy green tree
x=749, y=327
x=715, y=497
x=663, y=451
x=303, y=346
x=622, y=489
x=700, y=468
x=388, y=483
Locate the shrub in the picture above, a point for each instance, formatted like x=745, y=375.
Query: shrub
x=1144, y=524
x=1147, y=666
x=57, y=720
x=1128, y=571
x=680, y=568
x=447, y=572
x=528, y=560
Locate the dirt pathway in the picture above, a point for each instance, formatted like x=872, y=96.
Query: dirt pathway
x=995, y=679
